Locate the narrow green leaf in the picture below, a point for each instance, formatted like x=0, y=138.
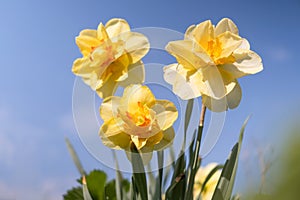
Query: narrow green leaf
x=179, y=190
x=96, y=183
x=195, y=163
x=74, y=194
x=75, y=157
x=171, y=191
x=160, y=160
x=139, y=178
x=231, y=183
x=226, y=182
x=187, y=118
x=188, y=113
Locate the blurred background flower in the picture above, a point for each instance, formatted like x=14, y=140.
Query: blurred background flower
x=207, y=191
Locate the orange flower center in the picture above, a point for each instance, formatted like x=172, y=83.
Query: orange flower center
x=142, y=116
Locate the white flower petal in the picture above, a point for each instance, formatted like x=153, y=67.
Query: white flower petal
x=246, y=62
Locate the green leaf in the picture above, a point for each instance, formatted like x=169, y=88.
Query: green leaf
x=160, y=160
x=188, y=113
x=110, y=190
x=227, y=178
x=172, y=191
x=194, y=164
x=96, y=183
x=74, y=194
x=140, y=181
x=177, y=188
x=75, y=157
x=231, y=184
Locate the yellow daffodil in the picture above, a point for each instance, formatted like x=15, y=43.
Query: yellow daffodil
x=138, y=118
x=210, y=59
x=111, y=56
x=210, y=186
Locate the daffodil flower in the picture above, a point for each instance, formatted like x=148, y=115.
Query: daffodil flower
x=111, y=56
x=210, y=60
x=139, y=118
x=210, y=186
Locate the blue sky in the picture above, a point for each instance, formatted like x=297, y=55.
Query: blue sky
x=37, y=50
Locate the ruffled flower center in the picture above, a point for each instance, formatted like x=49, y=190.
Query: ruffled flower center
x=214, y=50
x=142, y=115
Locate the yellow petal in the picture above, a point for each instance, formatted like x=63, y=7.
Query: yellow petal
x=203, y=33
x=137, y=45
x=247, y=62
x=189, y=32
x=184, y=85
x=107, y=88
x=155, y=139
x=136, y=74
x=214, y=83
x=115, y=27
x=134, y=94
x=189, y=54
x=87, y=41
x=232, y=100
x=101, y=33
x=166, y=113
x=226, y=25
x=167, y=140
x=234, y=97
x=118, y=141
x=131, y=128
x=108, y=108
x=138, y=142
x=111, y=127
x=119, y=68
x=80, y=67
x=230, y=42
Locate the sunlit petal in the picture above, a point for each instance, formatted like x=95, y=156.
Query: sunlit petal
x=108, y=108
x=166, y=113
x=224, y=25
x=247, y=62
x=203, y=33
x=116, y=26
x=167, y=140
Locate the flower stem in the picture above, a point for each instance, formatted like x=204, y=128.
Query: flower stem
x=202, y=115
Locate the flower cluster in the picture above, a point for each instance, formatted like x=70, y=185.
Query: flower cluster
x=210, y=59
